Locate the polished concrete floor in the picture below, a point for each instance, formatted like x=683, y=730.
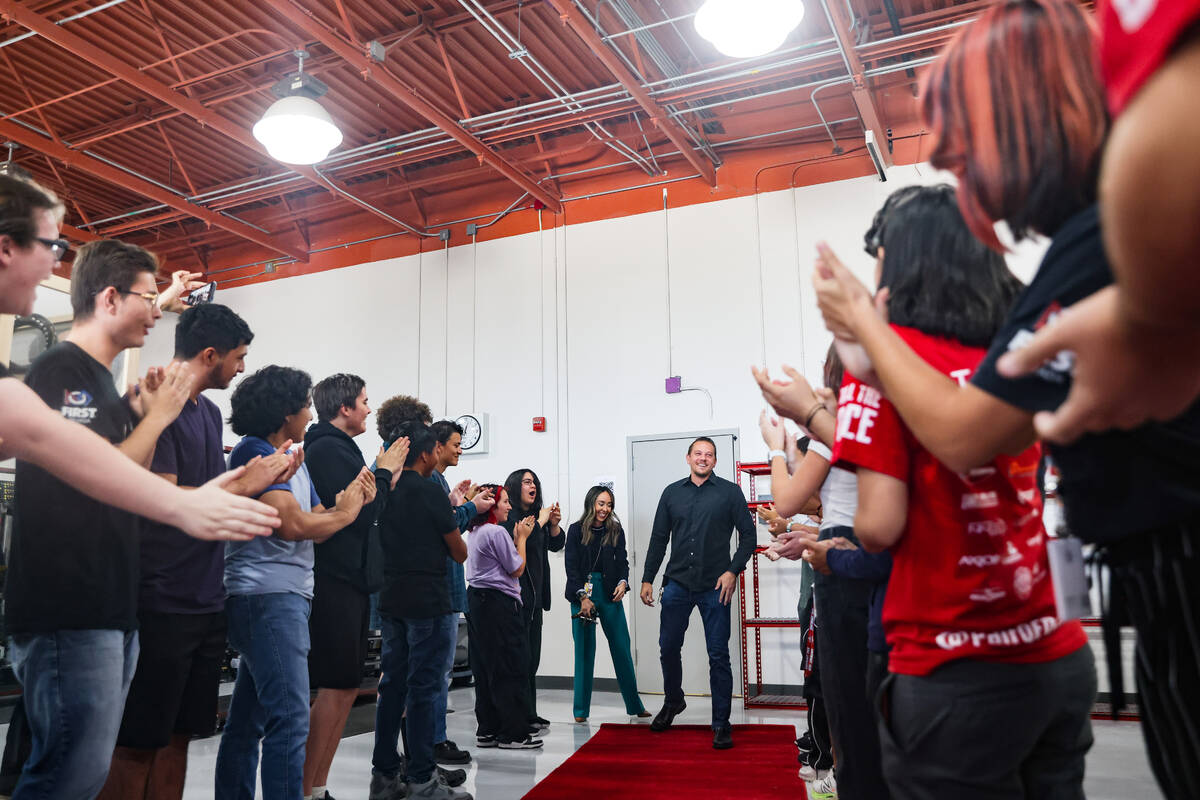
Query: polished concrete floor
x=1117, y=767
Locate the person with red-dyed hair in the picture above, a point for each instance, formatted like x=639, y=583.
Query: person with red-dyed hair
x=1018, y=110
x=1145, y=330
x=499, y=639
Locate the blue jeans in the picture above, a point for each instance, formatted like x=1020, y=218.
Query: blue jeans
x=443, y=697
x=270, y=697
x=74, y=684
x=677, y=604
x=413, y=662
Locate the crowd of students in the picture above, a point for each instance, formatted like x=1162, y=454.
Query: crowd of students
x=929, y=449
x=932, y=615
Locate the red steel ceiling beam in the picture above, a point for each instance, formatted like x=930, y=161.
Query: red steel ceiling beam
x=410, y=97
x=94, y=166
x=135, y=77
x=861, y=92
x=670, y=127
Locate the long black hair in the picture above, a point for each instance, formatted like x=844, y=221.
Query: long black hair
x=512, y=485
x=942, y=280
x=587, y=522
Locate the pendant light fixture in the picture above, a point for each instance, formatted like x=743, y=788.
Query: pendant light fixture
x=748, y=28
x=296, y=129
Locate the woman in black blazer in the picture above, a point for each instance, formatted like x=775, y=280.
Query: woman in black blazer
x=597, y=580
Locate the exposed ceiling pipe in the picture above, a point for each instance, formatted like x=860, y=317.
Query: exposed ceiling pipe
x=518, y=53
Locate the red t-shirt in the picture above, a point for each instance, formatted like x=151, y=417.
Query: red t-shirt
x=1136, y=37
x=970, y=576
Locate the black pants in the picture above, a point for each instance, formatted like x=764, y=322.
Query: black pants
x=877, y=670
x=842, y=650
x=533, y=632
x=17, y=748
x=989, y=731
x=1160, y=577
x=499, y=661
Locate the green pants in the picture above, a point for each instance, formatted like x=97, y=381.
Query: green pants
x=612, y=618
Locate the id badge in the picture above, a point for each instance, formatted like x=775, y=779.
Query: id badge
x=1071, y=595
x=587, y=587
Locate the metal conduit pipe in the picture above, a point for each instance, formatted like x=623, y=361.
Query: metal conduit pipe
x=543, y=76
x=85, y=13
x=285, y=260
x=613, y=90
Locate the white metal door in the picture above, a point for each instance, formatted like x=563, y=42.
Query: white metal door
x=655, y=462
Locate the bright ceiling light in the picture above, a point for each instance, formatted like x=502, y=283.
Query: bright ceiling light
x=748, y=28
x=296, y=129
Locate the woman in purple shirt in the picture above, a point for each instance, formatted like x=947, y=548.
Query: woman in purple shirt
x=499, y=650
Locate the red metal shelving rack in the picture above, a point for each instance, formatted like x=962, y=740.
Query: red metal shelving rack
x=756, y=622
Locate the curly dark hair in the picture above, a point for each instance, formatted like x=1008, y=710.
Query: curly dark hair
x=398, y=411
x=262, y=402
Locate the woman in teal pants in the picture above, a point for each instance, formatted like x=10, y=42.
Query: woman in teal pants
x=597, y=580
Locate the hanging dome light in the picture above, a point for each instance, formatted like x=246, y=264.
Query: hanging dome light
x=748, y=28
x=296, y=129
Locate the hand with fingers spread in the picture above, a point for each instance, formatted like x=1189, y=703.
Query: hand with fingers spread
x=768, y=513
x=555, y=517
x=470, y=493
x=1114, y=362
x=793, y=399
x=182, y=282
x=209, y=512
x=261, y=472
x=392, y=459
x=484, y=501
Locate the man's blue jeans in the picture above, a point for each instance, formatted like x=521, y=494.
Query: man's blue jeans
x=270, y=698
x=443, y=697
x=74, y=684
x=677, y=604
x=413, y=662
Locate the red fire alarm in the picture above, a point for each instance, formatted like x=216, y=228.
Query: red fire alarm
x=539, y=424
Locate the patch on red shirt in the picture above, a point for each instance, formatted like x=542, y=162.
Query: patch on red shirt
x=970, y=575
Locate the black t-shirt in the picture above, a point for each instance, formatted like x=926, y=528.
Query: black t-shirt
x=1114, y=484
x=414, y=525
x=182, y=575
x=74, y=561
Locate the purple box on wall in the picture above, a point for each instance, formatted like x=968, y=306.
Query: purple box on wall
x=674, y=385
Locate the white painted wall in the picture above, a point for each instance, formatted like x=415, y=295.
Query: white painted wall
x=572, y=324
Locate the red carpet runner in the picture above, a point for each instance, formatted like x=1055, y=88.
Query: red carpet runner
x=630, y=761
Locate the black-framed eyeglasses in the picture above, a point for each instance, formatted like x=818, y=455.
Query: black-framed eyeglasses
x=59, y=247
x=149, y=297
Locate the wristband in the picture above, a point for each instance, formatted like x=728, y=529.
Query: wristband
x=771, y=455
x=808, y=420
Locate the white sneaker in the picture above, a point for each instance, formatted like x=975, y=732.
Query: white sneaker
x=808, y=774
x=824, y=788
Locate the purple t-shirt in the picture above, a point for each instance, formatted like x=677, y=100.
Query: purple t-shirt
x=491, y=559
x=182, y=575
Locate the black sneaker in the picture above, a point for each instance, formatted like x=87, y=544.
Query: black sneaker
x=487, y=740
x=723, y=738
x=528, y=743
x=452, y=777
x=538, y=725
x=448, y=753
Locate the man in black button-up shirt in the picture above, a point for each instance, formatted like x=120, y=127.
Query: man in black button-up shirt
x=698, y=514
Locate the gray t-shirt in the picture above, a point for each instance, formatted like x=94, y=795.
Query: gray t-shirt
x=268, y=564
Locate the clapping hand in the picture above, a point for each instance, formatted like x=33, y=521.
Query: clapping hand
x=792, y=399
x=392, y=459
x=458, y=495
x=523, y=528
x=483, y=501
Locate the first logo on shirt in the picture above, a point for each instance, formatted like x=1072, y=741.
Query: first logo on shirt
x=77, y=406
